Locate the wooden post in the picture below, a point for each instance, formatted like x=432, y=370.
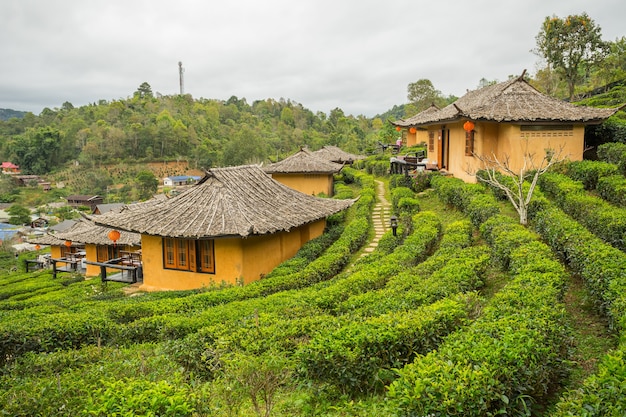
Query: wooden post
x=103, y=273
x=54, y=268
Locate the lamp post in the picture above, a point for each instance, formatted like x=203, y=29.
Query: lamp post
x=393, y=221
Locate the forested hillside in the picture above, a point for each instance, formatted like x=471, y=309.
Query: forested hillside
x=204, y=132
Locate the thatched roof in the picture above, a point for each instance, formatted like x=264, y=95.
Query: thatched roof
x=46, y=239
x=303, y=162
x=513, y=101
x=86, y=231
x=335, y=154
x=233, y=201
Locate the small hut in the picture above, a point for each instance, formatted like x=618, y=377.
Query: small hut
x=305, y=172
x=234, y=226
x=508, y=120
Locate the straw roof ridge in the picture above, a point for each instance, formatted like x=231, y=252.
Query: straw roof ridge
x=514, y=100
x=231, y=201
x=303, y=161
x=86, y=231
x=336, y=154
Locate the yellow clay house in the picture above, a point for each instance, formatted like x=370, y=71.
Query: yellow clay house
x=506, y=120
x=305, y=172
x=233, y=226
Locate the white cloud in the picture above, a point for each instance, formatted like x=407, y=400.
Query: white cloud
x=356, y=55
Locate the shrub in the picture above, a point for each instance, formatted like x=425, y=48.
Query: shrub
x=589, y=172
x=613, y=189
x=613, y=153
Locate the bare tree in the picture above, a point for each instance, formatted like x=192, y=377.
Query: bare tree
x=517, y=185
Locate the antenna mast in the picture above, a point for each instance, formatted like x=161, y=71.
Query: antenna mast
x=181, y=70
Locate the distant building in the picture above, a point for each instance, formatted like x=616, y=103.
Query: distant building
x=10, y=168
x=91, y=201
x=179, y=180
x=305, y=172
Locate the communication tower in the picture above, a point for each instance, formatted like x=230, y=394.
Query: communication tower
x=181, y=71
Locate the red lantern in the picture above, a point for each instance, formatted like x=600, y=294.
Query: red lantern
x=114, y=235
x=468, y=126
x=68, y=243
x=412, y=130
x=37, y=247
x=398, y=128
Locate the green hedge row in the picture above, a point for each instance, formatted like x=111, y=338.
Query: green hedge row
x=603, y=269
x=455, y=267
x=613, y=189
x=601, y=266
x=507, y=358
x=588, y=173
x=358, y=358
x=471, y=199
x=370, y=276
x=603, y=219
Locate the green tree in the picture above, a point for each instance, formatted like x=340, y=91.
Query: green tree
x=613, y=67
x=144, y=91
x=147, y=184
x=18, y=214
x=571, y=46
x=38, y=150
x=422, y=94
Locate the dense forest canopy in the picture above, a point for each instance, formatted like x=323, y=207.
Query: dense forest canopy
x=204, y=132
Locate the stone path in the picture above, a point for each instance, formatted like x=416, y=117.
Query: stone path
x=380, y=217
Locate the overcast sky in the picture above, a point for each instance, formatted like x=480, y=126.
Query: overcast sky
x=358, y=55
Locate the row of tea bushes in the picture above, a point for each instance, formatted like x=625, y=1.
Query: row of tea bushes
x=600, y=265
x=603, y=219
x=455, y=267
x=471, y=199
x=613, y=189
x=601, y=176
x=603, y=269
x=358, y=358
x=508, y=357
x=587, y=172
x=386, y=327
x=370, y=276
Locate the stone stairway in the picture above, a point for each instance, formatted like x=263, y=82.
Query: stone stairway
x=380, y=218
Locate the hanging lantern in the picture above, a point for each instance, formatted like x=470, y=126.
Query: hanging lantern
x=412, y=130
x=68, y=243
x=398, y=128
x=114, y=235
x=468, y=126
x=37, y=247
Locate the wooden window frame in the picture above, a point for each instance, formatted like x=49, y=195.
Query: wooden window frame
x=431, y=141
x=107, y=252
x=469, y=143
x=189, y=255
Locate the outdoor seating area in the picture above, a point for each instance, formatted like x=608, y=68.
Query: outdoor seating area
x=411, y=163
